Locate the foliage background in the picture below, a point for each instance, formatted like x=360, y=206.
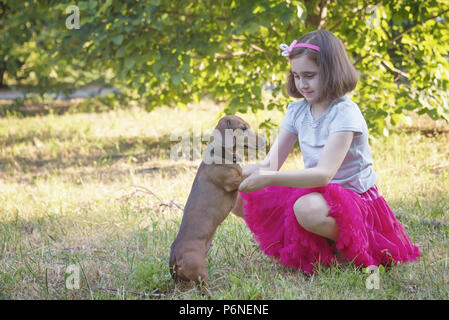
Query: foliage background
x=162, y=52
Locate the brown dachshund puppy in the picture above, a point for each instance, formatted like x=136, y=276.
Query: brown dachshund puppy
x=213, y=195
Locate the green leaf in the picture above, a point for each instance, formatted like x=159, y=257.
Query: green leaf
x=118, y=39
x=129, y=63
x=189, y=78
x=176, y=79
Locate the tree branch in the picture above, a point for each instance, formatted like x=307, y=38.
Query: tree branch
x=313, y=11
x=401, y=34
x=231, y=55
x=356, y=11
x=323, y=14
x=360, y=59
x=417, y=24
x=391, y=68
x=189, y=15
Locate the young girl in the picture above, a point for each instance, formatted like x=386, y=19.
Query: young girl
x=331, y=210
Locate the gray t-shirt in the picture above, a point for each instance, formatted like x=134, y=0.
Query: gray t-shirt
x=356, y=172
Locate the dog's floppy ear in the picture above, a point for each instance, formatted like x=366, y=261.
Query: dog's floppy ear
x=222, y=136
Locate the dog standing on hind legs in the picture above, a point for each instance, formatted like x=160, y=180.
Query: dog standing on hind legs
x=213, y=195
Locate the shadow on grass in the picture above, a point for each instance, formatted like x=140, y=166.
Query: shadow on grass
x=101, y=153
x=104, y=155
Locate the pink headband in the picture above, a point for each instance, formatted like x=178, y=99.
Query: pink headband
x=286, y=50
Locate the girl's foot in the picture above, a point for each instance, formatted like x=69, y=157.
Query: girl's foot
x=341, y=259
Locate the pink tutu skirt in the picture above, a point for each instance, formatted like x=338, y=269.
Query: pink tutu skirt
x=369, y=233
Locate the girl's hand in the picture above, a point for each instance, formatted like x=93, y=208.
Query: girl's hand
x=249, y=169
x=259, y=179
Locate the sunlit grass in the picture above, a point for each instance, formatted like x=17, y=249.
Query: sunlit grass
x=100, y=191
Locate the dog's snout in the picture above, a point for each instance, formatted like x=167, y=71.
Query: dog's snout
x=253, y=140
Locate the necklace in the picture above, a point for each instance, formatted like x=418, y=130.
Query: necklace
x=312, y=122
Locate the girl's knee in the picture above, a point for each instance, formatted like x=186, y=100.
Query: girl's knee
x=303, y=213
x=311, y=210
x=307, y=220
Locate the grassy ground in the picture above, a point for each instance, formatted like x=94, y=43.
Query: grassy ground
x=100, y=192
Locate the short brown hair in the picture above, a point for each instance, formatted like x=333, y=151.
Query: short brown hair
x=337, y=74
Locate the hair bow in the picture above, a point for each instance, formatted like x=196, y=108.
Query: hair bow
x=287, y=49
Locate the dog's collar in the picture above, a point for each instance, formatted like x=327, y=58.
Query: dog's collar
x=210, y=152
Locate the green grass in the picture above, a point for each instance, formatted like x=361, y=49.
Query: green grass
x=99, y=191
